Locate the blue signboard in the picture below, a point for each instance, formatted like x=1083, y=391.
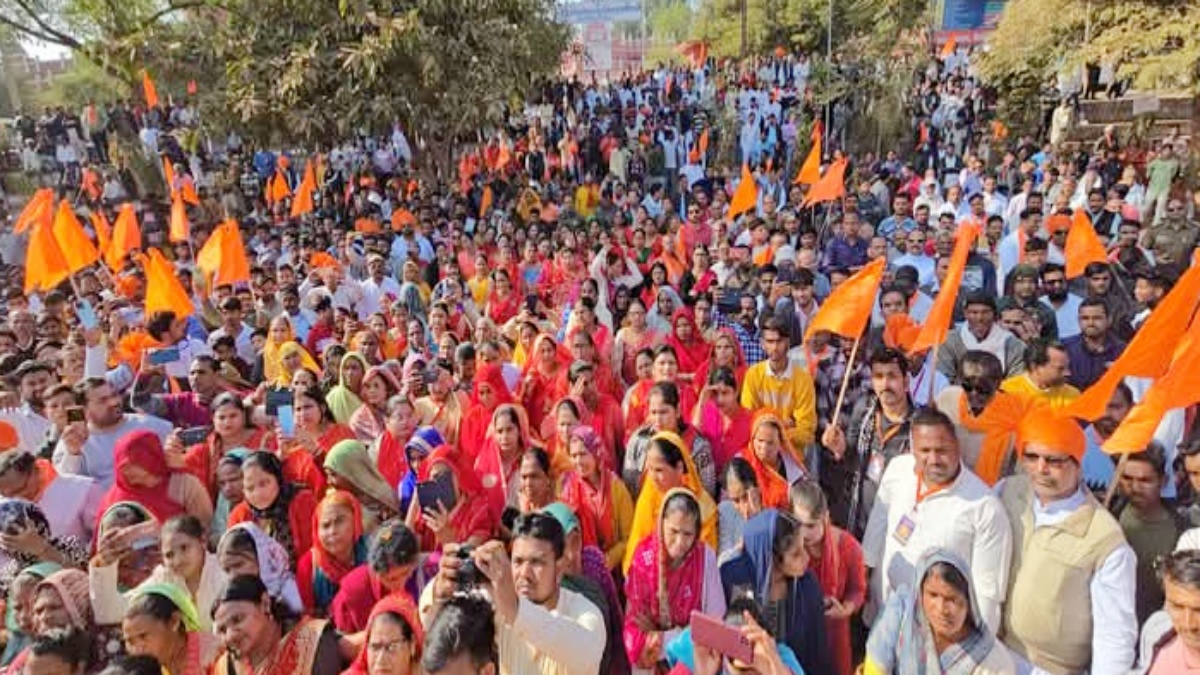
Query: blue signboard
x=600, y=11
x=963, y=14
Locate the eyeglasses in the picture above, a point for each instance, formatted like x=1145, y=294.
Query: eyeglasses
x=1052, y=461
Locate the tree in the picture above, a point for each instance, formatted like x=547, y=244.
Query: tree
x=1153, y=43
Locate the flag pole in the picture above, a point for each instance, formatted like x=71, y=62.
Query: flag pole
x=837, y=408
x=1112, y=487
x=932, y=365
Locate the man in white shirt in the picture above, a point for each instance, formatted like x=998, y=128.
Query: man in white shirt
x=86, y=449
x=29, y=421
x=915, y=257
x=232, y=325
x=1070, y=605
x=929, y=499
x=1011, y=251
x=541, y=627
x=377, y=288
x=1064, y=304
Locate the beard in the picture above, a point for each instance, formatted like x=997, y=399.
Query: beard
x=1057, y=296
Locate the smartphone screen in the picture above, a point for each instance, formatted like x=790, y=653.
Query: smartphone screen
x=87, y=315
x=287, y=421
x=716, y=635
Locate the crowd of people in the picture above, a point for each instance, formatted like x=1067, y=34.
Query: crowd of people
x=563, y=412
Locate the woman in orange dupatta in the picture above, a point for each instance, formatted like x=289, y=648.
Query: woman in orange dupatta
x=539, y=381
x=338, y=547
x=490, y=391
x=631, y=339
x=598, y=496
x=725, y=352
x=691, y=351
x=765, y=456
x=666, y=369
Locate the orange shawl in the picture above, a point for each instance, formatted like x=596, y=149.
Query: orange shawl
x=772, y=484
x=998, y=423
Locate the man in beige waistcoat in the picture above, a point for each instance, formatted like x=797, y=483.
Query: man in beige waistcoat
x=1070, y=606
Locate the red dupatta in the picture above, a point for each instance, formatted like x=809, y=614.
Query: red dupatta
x=690, y=355
x=401, y=606
x=591, y=503
x=473, y=430
x=323, y=558
x=470, y=516
x=772, y=485
x=144, y=450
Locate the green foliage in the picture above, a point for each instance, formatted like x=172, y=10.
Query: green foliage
x=83, y=81
x=1155, y=43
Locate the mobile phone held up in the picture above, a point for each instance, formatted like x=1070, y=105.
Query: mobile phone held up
x=721, y=638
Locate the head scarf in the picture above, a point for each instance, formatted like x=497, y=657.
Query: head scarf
x=650, y=500
x=466, y=480
x=678, y=588
x=772, y=484
x=328, y=571
x=274, y=567
x=17, y=639
x=399, y=604
x=72, y=587
x=271, y=356
x=143, y=449
x=691, y=355
x=351, y=460
x=178, y=597
x=389, y=379
x=901, y=640
x=342, y=401
x=1056, y=432
x=593, y=504
x=493, y=376
x=424, y=441
x=562, y=355
x=282, y=378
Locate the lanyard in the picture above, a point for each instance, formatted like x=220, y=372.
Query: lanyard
x=922, y=494
x=885, y=436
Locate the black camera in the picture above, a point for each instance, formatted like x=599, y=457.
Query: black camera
x=468, y=575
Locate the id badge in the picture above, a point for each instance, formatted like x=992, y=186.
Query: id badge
x=904, y=529
x=875, y=467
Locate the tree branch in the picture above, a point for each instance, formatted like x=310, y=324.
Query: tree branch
x=56, y=35
x=34, y=33
x=174, y=7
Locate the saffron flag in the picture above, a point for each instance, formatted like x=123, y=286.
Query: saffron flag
x=126, y=237
x=810, y=170
x=848, y=308
x=1175, y=389
x=485, y=202
x=745, y=197
x=164, y=292
x=703, y=143
x=45, y=266
x=1083, y=246
x=941, y=314
x=149, y=90
x=39, y=209
x=179, y=228
x=1145, y=356
x=831, y=186
x=949, y=47
x=303, y=203
x=77, y=248
x=224, y=255
x=102, y=228
x=277, y=188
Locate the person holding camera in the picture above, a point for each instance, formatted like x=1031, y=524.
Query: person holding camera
x=540, y=626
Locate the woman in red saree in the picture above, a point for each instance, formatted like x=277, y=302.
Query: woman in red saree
x=666, y=369
x=598, y=496
x=631, y=339
x=378, y=385
x=316, y=431
x=490, y=392
x=338, y=547
x=393, y=569
x=837, y=560
x=691, y=350
x=670, y=577
x=283, y=511
x=503, y=303
x=499, y=460
x=720, y=417
x=725, y=352
x=268, y=641
x=764, y=453
x=393, y=642
x=469, y=521
x=539, y=381
x=141, y=476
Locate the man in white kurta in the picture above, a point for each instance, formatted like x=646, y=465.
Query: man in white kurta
x=928, y=499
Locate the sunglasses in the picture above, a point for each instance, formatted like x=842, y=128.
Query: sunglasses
x=1053, y=461
x=974, y=386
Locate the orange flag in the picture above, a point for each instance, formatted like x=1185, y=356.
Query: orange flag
x=831, y=186
x=323, y=259
x=941, y=314
x=1175, y=389
x=703, y=143
x=485, y=202
x=504, y=157
x=40, y=209
x=188, y=192
x=179, y=228
x=303, y=203
x=848, y=308
x=949, y=47
x=164, y=293
x=1083, y=246
x=277, y=188
x=149, y=90
x=810, y=170
x=224, y=255
x=126, y=237
x=102, y=228
x=745, y=197
x=45, y=266
x=76, y=246
x=1145, y=356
